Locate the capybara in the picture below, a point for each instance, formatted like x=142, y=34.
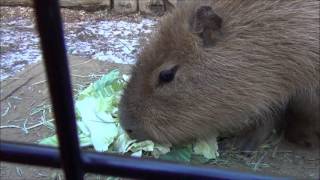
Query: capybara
x=232, y=67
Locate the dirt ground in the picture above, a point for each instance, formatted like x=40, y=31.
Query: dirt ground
x=25, y=114
x=25, y=105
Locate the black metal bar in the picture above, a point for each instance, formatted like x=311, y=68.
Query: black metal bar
x=52, y=42
x=28, y=154
x=115, y=165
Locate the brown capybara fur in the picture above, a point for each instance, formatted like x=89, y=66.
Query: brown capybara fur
x=234, y=67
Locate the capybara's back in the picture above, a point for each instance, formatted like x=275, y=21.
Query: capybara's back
x=231, y=67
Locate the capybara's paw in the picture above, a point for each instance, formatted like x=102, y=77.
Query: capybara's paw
x=304, y=139
x=303, y=134
x=248, y=142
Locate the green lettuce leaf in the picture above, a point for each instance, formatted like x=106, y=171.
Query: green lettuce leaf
x=179, y=154
x=101, y=126
x=207, y=147
x=53, y=141
x=50, y=141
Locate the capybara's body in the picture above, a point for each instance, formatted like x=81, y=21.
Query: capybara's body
x=234, y=67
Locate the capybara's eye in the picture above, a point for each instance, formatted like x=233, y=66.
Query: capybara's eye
x=167, y=75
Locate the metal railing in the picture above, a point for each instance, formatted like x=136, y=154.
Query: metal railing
x=69, y=157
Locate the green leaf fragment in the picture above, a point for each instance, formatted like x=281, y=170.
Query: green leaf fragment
x=83, y=128
x=113, y=178
x=50, y=141
x=137, y=154
x=102, y=134
x=85, y=140
x=53, y=141
x=159, y=150
x=122, y=143
x=180, y=154
x=199, y=159
x=125, y=77
x=143, y=145
x=207, y=147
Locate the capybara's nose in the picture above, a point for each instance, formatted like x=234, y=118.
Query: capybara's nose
x=129, y=131
x=131, y=125
x=136, y=134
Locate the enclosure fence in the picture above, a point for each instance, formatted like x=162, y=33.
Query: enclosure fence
x=69, y=157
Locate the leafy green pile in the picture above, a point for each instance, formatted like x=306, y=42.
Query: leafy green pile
x=98, y=126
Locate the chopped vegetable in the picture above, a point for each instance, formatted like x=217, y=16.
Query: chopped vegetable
x=207, y=147
x=181, y=154
x=98, y=126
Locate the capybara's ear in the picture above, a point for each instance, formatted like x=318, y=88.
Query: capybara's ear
x=207, y=24
x=168, y=6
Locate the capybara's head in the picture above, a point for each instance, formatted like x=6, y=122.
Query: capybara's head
x=166, y=99
x=206, y=70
